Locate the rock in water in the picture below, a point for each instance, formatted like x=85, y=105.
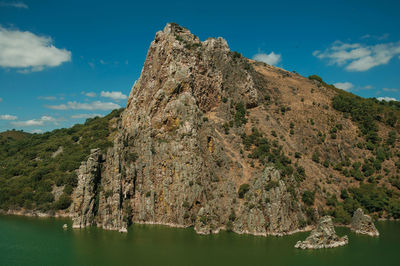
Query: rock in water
x=363, y=224
x=123, y=230
x=65, y=226
x=323, y=236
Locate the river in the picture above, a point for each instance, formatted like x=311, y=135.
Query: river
x=42, y=241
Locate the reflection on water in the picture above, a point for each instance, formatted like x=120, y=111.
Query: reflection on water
x=35, y=241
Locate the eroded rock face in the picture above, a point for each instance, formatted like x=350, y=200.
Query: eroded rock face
x=172, y=164
x=323, y=236
x=269, y=207
x=84, y=197
x=363, y=224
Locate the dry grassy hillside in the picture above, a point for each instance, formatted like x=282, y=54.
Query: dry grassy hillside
x=298, y=116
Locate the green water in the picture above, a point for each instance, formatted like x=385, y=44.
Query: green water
x=36, y=241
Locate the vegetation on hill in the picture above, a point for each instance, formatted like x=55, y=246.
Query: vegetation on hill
x=33, y=166
x=374, y=194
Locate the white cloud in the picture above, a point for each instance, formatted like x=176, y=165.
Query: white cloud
x=47, y=98
x=378, y=37
x=115, y=95
x=344, y=85
x=13, y=4
x=388, y=99
x=35, y=122
x=271, y=58
x=97, y=105
x=91, y=64
x=8, y=117
x=390, y=89
x=29, y=52
x=85, y=116
x=36, y=131
x=359, y=57
x=367, y=87
x=102, y=62
x=89, y=94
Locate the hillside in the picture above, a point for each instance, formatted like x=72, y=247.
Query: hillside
x=214, y=140
x=37, y=171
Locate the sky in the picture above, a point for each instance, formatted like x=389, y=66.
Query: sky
x=64, y=61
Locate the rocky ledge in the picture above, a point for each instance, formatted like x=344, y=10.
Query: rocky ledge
x=363, y=224
x=323, y=236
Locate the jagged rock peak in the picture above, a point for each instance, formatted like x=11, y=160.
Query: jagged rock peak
x=189, y=40
x=363, y=224
x=323, y=236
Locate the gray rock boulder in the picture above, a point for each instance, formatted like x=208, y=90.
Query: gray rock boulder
x=323, y=236
x=363, y=224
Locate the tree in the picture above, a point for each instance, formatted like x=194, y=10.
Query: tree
x=308, y=197
x=63, y=202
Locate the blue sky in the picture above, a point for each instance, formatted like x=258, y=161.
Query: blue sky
x=63, y=61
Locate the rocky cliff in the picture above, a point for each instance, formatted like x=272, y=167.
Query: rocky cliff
x=172, y=163
x=213, y=140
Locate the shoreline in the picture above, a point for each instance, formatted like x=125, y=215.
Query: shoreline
x=38, y=214
x=33, y=213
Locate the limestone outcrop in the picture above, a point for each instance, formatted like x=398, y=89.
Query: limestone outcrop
x=323, y=236
x=363, y=224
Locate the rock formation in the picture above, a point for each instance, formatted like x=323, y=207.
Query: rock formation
x=214, y=140
x=323, y=236
x=171, y=163
x=84, y=205
x=363, y=224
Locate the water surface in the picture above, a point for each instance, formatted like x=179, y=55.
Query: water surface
x=42, y=241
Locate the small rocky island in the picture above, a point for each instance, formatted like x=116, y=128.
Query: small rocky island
x=363, y=224
x=323, y=236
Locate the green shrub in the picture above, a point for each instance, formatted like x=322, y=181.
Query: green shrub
x=240, y=115
x=308, y=197
x=395, y=181
x=271, y=185
x=341, y=215
x=315, y=77
x=68, y=189
x=343, y=194
x=63, y=202
x=243, y=189
x=315, y=157
x=394, y=208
